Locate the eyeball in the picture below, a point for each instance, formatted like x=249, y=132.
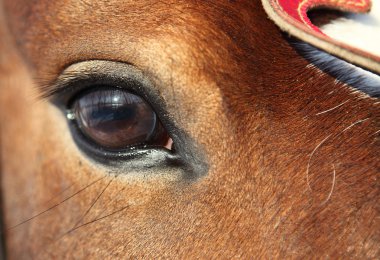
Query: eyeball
x=115, y=119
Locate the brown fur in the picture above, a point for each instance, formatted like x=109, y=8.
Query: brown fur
x=231, y=81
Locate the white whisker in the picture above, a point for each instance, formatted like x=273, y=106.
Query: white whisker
x=311, y=156
x=331, y=109
x=332, y=187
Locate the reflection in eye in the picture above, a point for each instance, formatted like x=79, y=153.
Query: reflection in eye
x=116, y=119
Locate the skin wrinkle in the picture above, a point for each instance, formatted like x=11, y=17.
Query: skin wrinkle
x=232, y=81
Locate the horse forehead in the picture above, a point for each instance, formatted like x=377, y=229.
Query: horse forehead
x=137, y=17
x=191, y=32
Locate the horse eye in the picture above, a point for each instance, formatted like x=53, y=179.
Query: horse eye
x=116, y=119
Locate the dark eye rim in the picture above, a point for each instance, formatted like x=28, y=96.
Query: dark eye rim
x=186, y=154
x=75, y=87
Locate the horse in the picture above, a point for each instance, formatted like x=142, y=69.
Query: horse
x=180, y=129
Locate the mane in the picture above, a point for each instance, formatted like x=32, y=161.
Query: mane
x=355, y=77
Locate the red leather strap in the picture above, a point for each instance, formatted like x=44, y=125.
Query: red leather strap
x=291, y=16
x=297, y=9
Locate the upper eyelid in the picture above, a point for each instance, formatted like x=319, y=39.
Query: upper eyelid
x=94, y=71
x=61, y=83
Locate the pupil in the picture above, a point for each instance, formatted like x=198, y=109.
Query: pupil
x=114, y=113
x=106, y=115
x=114, y=118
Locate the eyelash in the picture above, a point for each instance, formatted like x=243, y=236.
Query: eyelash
x=68, y=87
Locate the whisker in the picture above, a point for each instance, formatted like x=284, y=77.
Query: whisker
x=353, y=124
x=112, y=200
x=311, y=157
x=55, y=205
x=332, y=187
x=90, y=222
x=331, y=109
x=98, y=219
x=323, y=141
x=94, y=202
x=58, y=194
x=83, y=225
